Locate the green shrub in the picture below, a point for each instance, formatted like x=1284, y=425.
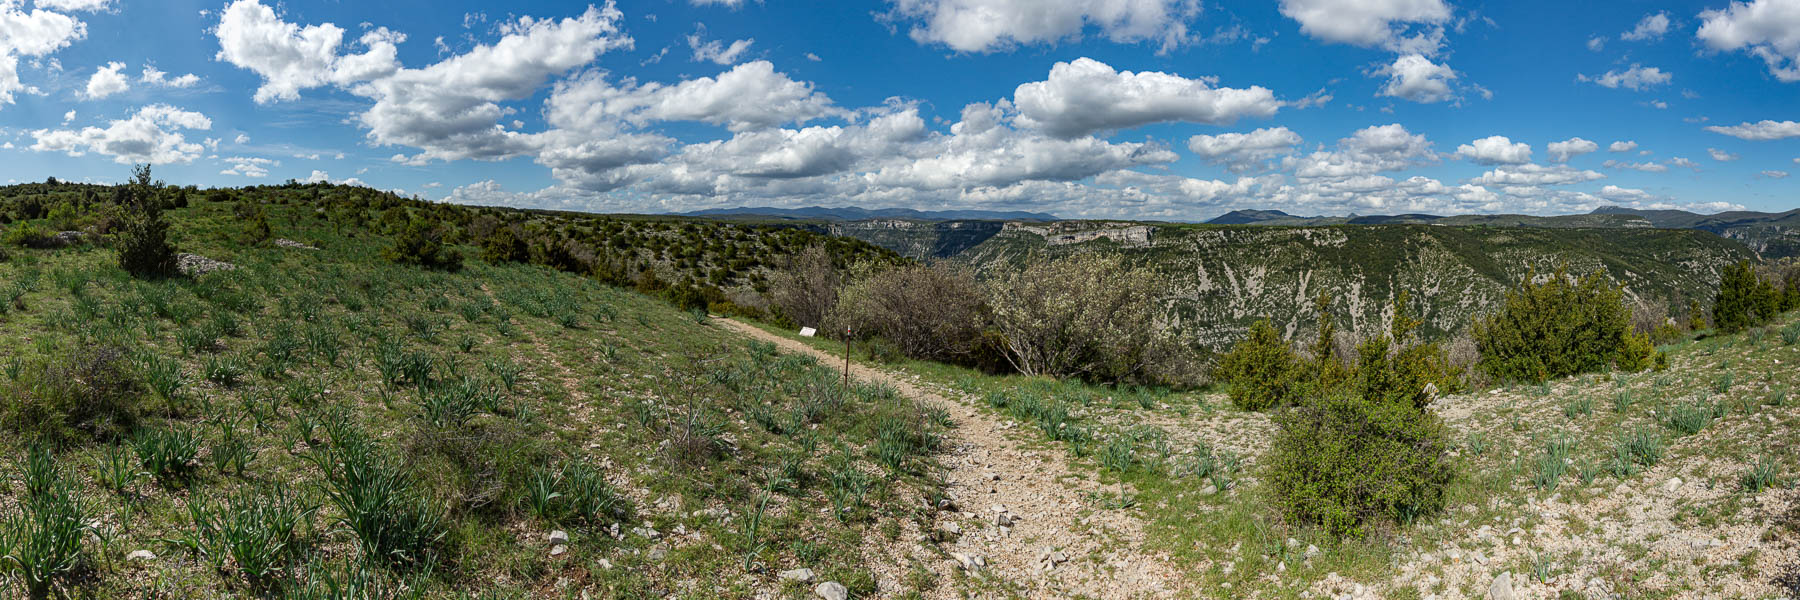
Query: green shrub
x=1089, y=315
x=1553, y=329
x=1744, y=300
x=1344, y=460
x=421, y=244
x=25, y=234
x=142, y=241
x=1263, y=370
x=1636, y=353
x=92, y=394
x=930, y=312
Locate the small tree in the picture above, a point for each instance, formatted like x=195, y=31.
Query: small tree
x=143, y=244
x=421, y=243
x=1088, y=316
x=1553, y=329
x=806, y=287
x=932, y=312
x=1263, y=370
x=1745, y=300
x=502, y=246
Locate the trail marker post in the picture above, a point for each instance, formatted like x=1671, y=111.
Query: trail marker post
x=846, y=388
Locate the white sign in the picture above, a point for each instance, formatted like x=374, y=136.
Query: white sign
x=808, y=332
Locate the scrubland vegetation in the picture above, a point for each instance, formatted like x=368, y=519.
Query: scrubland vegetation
x=313, y=391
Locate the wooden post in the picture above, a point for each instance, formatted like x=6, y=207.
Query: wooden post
x=846, y=388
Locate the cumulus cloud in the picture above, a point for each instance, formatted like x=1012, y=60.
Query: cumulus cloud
x=1647, y=167
x=106, y=81
x=150, y=136
x=151, y=75
x=1622, y=146
x=36, y=33
x=1087, y=96
x=1760, y=131
x=1767, y=29
x=1495, y=150
x=1618, y=193
x=1404, y=26
x=1369, y=151
x=1596, y=43
x=1721, y=155
x=1564, y=150
x=1535, y=175
x=1414, y=77
x=73, y=5
x=1682, y=162
x=715, y=51
x=1651, y=27
x=750, y=96
x=1243, y=152
x=291, y=58
x=252, y=167
x=1773, y=174
x=1635, y=78
x=990, y=25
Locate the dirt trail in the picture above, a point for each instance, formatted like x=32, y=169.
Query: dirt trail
x=1053, y=511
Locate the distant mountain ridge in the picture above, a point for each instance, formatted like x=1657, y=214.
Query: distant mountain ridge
x=852, y=213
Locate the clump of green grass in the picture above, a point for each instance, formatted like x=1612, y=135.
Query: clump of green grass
x=1553, y=463
x=394, y=522
x=575, y=493
x=1689, y=418
x=1623, y=400
x=1635, y=450
x=257, y=534
x=1581, y=406
x=1760, y=476
x=41, y=544
x=168, y=455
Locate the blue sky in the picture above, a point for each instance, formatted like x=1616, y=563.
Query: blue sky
x=1173, y=109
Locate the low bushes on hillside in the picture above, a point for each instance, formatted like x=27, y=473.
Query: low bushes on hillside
x=1552, y=329
x=421, y=243
x=92, y=394
x=1264, y=372
x=806, y=288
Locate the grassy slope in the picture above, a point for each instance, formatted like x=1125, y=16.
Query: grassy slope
x=1707, y=538
x=608, y=379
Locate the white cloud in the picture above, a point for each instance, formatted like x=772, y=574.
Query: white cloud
x=1087, y=96
x=1596, y=43
x=1773, y=174
x=716, y=51
x=1404, y=26
x=990, y=25
x=252, y=167
x=729, y=3
x=1245, y=151
x=1634, y=78
x=1651, y=27
x=1495, y=150
x=1767, y=29
x=73, y=5
x=1368, y=151
x=1414, y=77
x=34, y=34
x=318, y=176
x=1721, y=155
x=1622, y=146
x=241, y=139
x=1682, y=162
x=68, y=117
x=1619, y=193
x=1535, y=175
x=1647, y=167
x=451, y=110
x=150, y=136
x=1564, y=150
x=291, y=58
x=749, y=96
x=106, y=81
x=153, y=76
x=1760, y=131
x=813, y=57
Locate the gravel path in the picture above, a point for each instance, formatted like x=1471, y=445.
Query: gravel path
x=1029, y=524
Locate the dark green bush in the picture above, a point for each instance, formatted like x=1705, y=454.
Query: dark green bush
x=143, y=237
x=421, y=243
x=1553, y=329
x=1745, y=299
x=1263, y=370
x=1637, y=353
x=503, y=246
x=24, y=234
x=1344, y=460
